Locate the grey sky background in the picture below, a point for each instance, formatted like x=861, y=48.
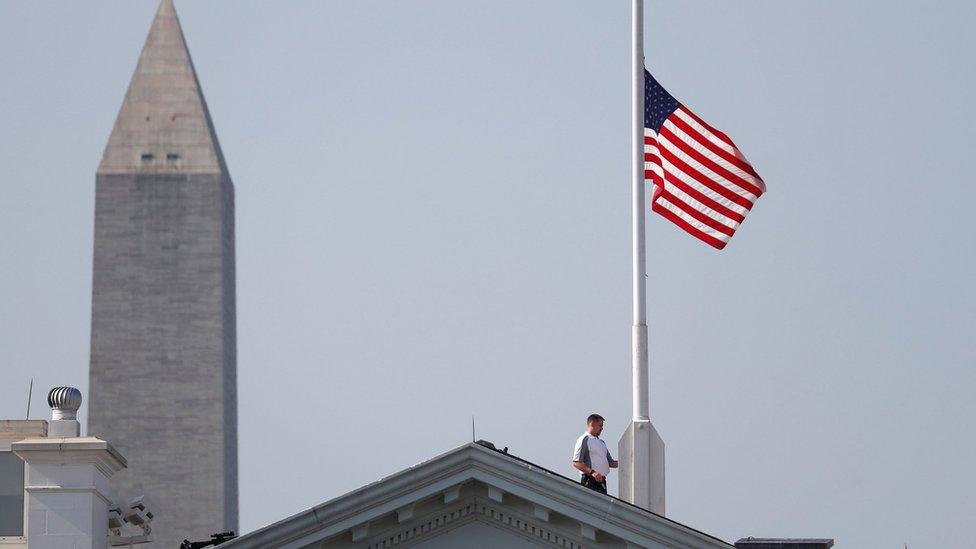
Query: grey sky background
x=433, y=222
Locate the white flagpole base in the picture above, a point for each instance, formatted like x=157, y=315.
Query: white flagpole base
x=641, y=472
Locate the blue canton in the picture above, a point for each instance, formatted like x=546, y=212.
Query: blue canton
x=658, y=103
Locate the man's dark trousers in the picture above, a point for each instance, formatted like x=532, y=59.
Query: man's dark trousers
x=592, y=484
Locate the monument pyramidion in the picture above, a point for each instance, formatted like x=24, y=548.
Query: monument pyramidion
x=163, y=340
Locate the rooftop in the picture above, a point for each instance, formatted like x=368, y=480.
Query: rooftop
x=477, y=483
x=784, y=543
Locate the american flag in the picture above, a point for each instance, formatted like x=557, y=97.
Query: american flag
x=702, y=183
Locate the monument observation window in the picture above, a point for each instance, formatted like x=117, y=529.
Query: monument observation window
x=11, y=495
x=146, y=157
x=172, y=156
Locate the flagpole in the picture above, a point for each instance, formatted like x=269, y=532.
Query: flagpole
x=641, y=449
x=641, y=398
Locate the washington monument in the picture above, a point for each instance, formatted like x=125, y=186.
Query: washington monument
x=163, y=341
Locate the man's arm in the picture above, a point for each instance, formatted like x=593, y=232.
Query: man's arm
x=613, y=463
x=583, y=468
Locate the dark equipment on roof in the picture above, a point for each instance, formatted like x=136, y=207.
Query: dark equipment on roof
x=215, y=540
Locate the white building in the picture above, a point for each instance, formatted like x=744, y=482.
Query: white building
x=55, y=485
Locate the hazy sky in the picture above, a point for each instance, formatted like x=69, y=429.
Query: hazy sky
x=433, y=204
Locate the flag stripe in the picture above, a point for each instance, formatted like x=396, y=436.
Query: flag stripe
x=732, y=155
x=705, y=199
x=716, y=136
x=654, y=178
x=666, y=209
x=652, y=155
x=708, y=165
x=699, y=211
x=687, y=185
x=703, y=179
x=707, y=155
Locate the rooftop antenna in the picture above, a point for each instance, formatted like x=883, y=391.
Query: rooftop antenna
x=30, y=391
x=473, y=438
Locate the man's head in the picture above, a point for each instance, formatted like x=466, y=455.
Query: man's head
x=594, y=424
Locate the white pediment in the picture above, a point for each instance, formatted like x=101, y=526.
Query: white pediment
x=477, y=535
x=474, y=496
x=469, y=522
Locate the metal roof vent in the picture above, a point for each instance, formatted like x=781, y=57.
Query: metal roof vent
x=64, y=403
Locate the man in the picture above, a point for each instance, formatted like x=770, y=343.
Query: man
x=591, y=456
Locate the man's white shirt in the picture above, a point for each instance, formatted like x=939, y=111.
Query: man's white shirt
x=599, y=455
